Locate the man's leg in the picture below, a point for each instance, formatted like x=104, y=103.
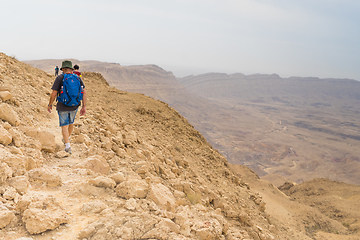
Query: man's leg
x=70, y=130
x=65, y=133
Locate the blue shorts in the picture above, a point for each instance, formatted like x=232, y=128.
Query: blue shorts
x=66, y=117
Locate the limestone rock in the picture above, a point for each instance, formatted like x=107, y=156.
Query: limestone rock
x=163, y=230
x=5, y=88
x=11, y=194
x=209, y=229
x=162, y=196
x=5, y=172
x=130, y=204
x=16, y=137
x=6, y=216
x=133, y=188
x=41, y=213
x=20, y=183
x=38, y=220
x=9, y=115
x=5, y=95
x=45, y=175
x=46, y=139
x=5, y=136
x=92, y=207
x=104, y=182
x=95, y=163
x=17, y=163
x=118, y=177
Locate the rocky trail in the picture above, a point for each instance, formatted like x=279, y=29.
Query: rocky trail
x=138, y=170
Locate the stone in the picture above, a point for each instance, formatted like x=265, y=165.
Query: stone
x=162, y=196
x=5, y=172
x=132, y=188
x=46, y=139
x=17, y=163
x=11, y=194
x=45, y=175
x=20, y=183
x=8, y=114
x=130, y=204
x=39, y=220
x=118, y=177
x=92, y=207
x=6, y=216
x=16, y=137
x=96, y=164
x=41, y=213
x=104, y=182
x=5, y=136
x=5, y=95
x=80, y=138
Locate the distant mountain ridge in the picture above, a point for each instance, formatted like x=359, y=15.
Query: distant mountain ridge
x=270, y=86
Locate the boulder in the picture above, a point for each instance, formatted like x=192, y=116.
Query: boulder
x=17, y=163
x=41, y=213
x=20, y=183
x=9, y=115
x=132, y=188
x=96, y=164
x=5, y=95
x=5, y=136
x=5, y=172
x=92, y=207
x=104, y=182
x=39, y=220
x=45, y=175
x=162, y=196
x=118, y=177
x=6, y=216
x=46, y=139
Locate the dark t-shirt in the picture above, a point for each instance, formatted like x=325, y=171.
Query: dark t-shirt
x=57, y=86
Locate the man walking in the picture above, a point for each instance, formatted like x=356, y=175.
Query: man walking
x=66, y=113
x=56, y=70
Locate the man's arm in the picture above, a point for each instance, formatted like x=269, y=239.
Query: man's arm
x=84, y=100
x=52, y=99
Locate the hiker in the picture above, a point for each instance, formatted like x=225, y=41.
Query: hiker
x=76, y=70
x=67, y=113
x=56, y=70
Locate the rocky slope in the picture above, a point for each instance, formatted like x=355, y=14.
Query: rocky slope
x=138, y=170
x=292, y=129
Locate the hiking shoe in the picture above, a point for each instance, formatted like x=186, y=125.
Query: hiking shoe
x=68, y=150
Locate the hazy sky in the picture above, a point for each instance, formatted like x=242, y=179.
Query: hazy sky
x=319, y=38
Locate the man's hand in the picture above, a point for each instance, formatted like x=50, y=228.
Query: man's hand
x=83, y=111
x=49, y=108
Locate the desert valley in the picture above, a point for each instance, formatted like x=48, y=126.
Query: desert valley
x=213, y=156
